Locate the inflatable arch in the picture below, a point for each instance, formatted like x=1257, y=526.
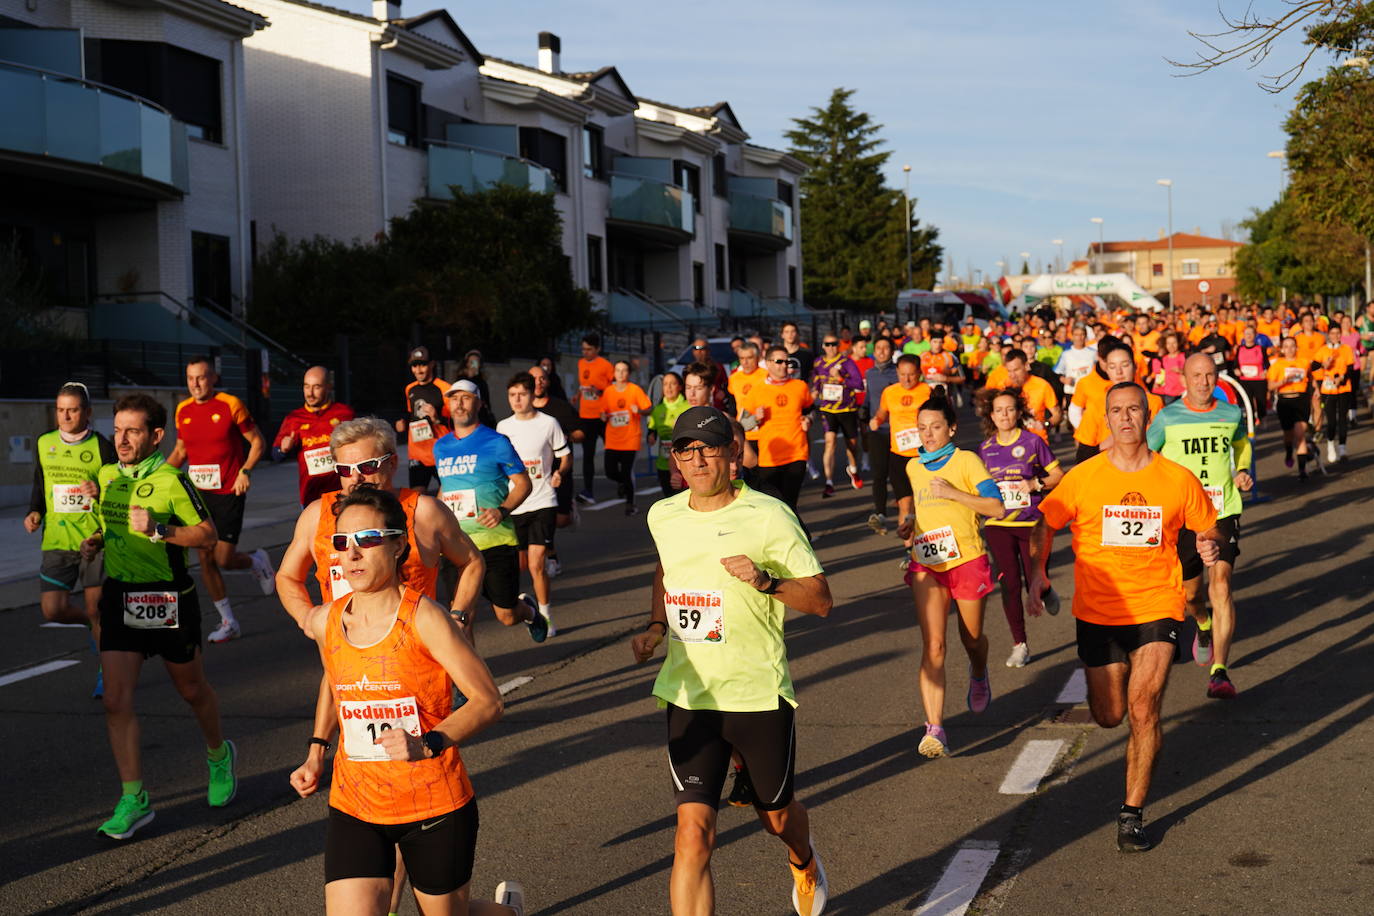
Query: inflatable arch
x=1047, y=285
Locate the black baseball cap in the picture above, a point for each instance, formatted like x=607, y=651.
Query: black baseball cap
x=419, y=355
x=702, y=424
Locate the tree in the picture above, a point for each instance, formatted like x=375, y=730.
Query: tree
x=1288, y=251
x=852, y=224
x=1331, y=150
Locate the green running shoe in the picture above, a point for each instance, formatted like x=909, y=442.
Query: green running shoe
x=223, y=784
x=132, y=812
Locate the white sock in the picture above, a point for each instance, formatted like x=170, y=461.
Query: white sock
x=226, y=614
x=544, y=611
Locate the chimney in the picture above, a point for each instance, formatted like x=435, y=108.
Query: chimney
x=549, y=49
x=386, y=10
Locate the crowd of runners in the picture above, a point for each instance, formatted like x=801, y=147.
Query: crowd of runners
x=1135, y=431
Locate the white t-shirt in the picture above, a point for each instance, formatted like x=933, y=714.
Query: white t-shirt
x=1075, y=364
x=538, y=441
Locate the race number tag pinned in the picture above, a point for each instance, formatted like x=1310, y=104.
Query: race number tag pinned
x=696, y=616
x=535, y=468
x=936, y=546
x=463, y=503
x=362, y=721
x=1132, y=526
x=150, y=610
x=1015, y=493
x=1294, y=374
x=1250, y=371
x=832, y=392
x=1218, y=497
x=67, y=497
x=318, y=461
x=421, y=431
x=206, y=476
x=620, y=418
x=338, y=584
x=908, y=439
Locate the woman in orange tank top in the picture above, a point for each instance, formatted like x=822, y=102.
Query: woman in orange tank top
x=392, y=658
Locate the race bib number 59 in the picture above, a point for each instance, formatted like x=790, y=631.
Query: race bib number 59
x=696, y=616
x=1132, y=526
x=362, y=721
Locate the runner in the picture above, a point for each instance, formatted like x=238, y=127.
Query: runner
x=1333, y=379
x=539, y=442
x=547, y=400
x=594, y=375
x=212, y=427
x=898, y=409
x=1166, y=368
x=1089, y=390
x=951, y=489
x=1252, y=366
x=623, y=406
x=1208, y=437
x=1077, y=361
x=792, y=344
x=1120, y=365
x=1126, y=507
x=1289, y=378
x=63, y=503
x=665, y=414
x=835, y=386
x=725, y=682
x=425, y=413
x=742, y=381
x=483, y=480
x=779, y=406
x=306, y=430
x=1042, y=404
x=392, y=658
x=877, y=380
x=150, y=513
x=1024, y=469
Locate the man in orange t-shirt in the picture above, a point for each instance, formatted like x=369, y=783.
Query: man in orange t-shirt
x=594, y=375
x=779, y=406
x=1039, y=394
x=1126, y=508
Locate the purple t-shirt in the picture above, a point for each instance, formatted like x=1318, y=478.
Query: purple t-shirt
x=836, y=383
x=1014, y=468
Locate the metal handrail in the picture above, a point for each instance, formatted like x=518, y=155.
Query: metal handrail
x=188, y=314
x=67, y=77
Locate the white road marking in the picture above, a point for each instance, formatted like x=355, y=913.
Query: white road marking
x=513, y=683
x=25, y=673
x=1030, y=767
x=54, y=623
x=1076, y=690
x=959, y=884
x=607, y=503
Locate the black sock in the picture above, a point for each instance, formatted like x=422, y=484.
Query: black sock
x=804, y=865
x=1288, y=451
x=1302, y=464
x=1132, y=810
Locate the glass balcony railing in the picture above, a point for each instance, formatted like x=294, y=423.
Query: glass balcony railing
x=652, y=203
x=49, y=114
x=476, y=170
x=762, y=215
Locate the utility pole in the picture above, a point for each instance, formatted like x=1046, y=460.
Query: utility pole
x=1168, y=185
x=906, y=223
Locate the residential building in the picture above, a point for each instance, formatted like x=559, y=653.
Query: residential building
x=1197, y=259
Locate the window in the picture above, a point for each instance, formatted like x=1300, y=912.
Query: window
x=185, y=83
x=698, y=283
x=594, y=262
x=436, y=122
x=546, y=148
x=210, y=272
x=792, y=283
x=785, y=192
x=720, y=267
x=1191, y=267
x=1157, y=269
x=688, y=177
x=720, y=179
x=593, y=151
x=402, y=110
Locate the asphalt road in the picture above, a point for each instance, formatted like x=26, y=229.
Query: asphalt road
x=1260, y=805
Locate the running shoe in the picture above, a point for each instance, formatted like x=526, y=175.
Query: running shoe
x=1219, y=686
x=1052, y=602
x=1020, y=654
x=934, y=744
x=979, y=692
x=1288, y=462
x=855, y=480
x=1331, y=456
x=811, y=470
x=1202, y=647
x=227, y=630
x=877, y=523
x=511, y=894
x=631, y=509
x=1130, y=834
x=99, y=691
x=829, y=491
x=810, y=889
x=263, y=571
x=742, y=792
x=224, y=785
x=865, y=466
x=1341, y=453
x=552, y=568
x=586, y=498
x=131, y=813
x=539, y=626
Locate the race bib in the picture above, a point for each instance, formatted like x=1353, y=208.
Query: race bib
x=67, y=497
x=463, y=503
x=150, y=610
x=1249, y=371
x=338, y=585
x=1218, y=497
x=1077, y=372
x=908, y=439
x=589, y=393
x=696, y=616
x=936, y=546
x=832, y=392
x=421, y=431
x=1294, y=374
x=535, y=468
x=319, y=461
x=1132, y=526
x=663, y=449
x=362, y=721
x=206, y=476
x=620, y=418
x=1015, y=493
x=1329, y=385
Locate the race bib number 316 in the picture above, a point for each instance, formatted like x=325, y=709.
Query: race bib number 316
x=696, y=616
x=362, y=721
x=1132, y=526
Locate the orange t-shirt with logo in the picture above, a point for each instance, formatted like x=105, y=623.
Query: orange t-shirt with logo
x=997, y=378
x=1125, y=537
x=781, y=439
x=1290, y=374
x=1335, y=380
x=593, y=377
x=1040, y=400
x=624, y=412
x=902, y=406
x=1309, y=344
x=739, y=385
x=1091, y=390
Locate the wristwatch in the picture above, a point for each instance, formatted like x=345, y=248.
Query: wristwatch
x=772, y=587
x=321, y=742
x=435, y=742
x=160, y=532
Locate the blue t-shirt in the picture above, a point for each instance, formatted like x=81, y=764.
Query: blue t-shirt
x=474, y=474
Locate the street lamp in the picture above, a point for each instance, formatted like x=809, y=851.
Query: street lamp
x=1059, y=260
x=1168, y=185
x=906, y=227
x=1283, y=174
x=1101, y=255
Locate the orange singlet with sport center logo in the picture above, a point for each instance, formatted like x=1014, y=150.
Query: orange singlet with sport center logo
x=329, y=572
x=393, y=683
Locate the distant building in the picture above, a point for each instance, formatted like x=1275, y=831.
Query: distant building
x=1197, y=259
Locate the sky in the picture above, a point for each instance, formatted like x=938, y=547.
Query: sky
x=1021, y=121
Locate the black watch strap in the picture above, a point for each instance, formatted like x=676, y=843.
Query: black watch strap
x=435, y=741
x=321, y=742
x=772, y=587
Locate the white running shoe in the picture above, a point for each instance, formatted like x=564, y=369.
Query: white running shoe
x=552, y=567
x=1020, y=654
x=511, y=894
x=811, y=470
x=227, y=630
x=1331, y=451
x=810, y=887
x=263, y=571
x=1341, y=453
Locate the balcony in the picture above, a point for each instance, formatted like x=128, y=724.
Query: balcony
x=475, y=170
x=763, y=222
x=98, y=136
x=656, y=209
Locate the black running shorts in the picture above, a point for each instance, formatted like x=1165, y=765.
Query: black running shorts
x=535, y=527
x=843, y=422
x=1292, y=410
x=1230, y=546
x=699, y=745
x=176, y=644
x=1100, y=644
x=501, y=584
x=438, y=851
x=226, y=510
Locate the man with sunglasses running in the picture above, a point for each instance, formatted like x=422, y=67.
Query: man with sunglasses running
x=835, y=385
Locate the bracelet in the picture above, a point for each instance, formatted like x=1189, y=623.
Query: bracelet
x=659, y=623
x=321, y=742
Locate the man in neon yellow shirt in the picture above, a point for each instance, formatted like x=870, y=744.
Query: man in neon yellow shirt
x=731, y=561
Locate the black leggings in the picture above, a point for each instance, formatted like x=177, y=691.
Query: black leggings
x=1336, y=407
x=591, y=429
x=620, y=467
x=783, y=482
x=877, y=460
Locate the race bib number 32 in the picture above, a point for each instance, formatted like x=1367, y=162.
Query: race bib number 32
x=1132, y=526
x=696, y=616
x=67, y=497
x=150, y=610
x=362, y=721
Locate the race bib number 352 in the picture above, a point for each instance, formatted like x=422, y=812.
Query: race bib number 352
x=67, y=497
x=150, y=610
x=362, y=721
x=1132, y=526
x=696, y=616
